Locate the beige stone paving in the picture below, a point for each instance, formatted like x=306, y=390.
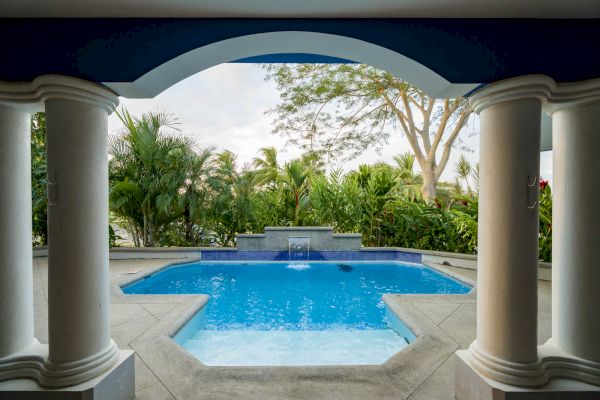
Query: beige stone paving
x=134, y=317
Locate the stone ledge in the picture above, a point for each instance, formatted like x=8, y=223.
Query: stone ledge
x=298, y=228
x=316, y=238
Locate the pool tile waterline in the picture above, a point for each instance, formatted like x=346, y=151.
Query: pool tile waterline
x=320, y=255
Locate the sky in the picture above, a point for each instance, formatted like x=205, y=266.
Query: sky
x=224, y=107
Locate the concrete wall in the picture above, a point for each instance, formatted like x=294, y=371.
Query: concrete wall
x=321, y=238
x=123, y=253
x=468, y=261
x=132, y=253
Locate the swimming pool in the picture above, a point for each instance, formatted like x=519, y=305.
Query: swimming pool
x=281, y=313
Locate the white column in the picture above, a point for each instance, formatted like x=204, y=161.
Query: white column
x=505, y=349
x=16, y=278
x=576, y=230
x=80, y=346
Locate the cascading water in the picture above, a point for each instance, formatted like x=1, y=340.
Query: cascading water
x=299, y=252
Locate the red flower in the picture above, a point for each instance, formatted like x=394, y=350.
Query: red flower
x=543, y=184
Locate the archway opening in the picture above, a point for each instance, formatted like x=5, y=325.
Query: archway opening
x=289, y=43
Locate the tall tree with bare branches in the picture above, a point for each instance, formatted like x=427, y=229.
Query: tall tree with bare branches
x=336, y=109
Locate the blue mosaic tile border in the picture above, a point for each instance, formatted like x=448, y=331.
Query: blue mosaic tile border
x=372, y=255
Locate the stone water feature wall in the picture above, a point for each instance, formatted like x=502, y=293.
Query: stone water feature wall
x=321, y=238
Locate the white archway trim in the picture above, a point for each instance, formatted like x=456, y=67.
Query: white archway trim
x=165, y=75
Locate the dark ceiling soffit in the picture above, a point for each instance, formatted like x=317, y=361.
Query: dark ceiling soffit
x=460, y=50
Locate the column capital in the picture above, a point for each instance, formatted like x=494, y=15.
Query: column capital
x=31, y=96
x=565, y=95
x=554, y=95
x=521, y=87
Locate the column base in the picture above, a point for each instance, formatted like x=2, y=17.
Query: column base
x=507, y=372
x=75, y=372
x=25, y=364
x=472, y=385
x=118, y=383
x=34, y=363
x=560, y=364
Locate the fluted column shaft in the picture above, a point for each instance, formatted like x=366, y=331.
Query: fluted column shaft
x=16, y=279
x=508, y=232
x=78, y=300
x=576, y=230
x=504, y=358
x=80, y=347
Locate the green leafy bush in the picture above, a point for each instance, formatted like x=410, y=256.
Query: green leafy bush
x=165, y=191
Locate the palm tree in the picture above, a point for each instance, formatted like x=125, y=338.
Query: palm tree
x=475, y=174
x=463, y=171
x=193, y=196
x=147, y=169
x=409, y=183
x=267, y=168
x=405, y=164
x=295, y=180
x=232, y=191
x=313, y=161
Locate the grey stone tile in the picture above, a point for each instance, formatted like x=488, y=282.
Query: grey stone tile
x=437, y=312
x=123, y=334
x=40, y=322
x=121, y=313
x=544, y=327
x=159, y=310
x=461, y=325
x=40, y=267
x=545, y=296
x=439, y=386
x=154, y=392
x=119, y=267
x=39, y=290
x=464, y=272
x=144, y=378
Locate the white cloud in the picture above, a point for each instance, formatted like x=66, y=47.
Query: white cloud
x=224, y=107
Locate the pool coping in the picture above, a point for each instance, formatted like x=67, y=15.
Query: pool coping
x=185, y=376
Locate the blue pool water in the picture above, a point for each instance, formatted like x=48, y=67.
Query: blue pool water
x=295, y=314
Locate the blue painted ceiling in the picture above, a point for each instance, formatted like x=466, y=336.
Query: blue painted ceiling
x=301, y=58
x=461, y=50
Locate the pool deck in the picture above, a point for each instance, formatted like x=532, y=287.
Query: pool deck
x=424, y=370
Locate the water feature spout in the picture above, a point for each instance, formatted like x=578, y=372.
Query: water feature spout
x=298, y=248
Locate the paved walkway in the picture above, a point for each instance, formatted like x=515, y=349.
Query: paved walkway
x=425, y=373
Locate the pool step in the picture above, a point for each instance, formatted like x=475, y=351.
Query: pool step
x=262, y=348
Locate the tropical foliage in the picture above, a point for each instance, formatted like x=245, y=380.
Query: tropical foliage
x=38, y=179
x=167, y=191
x=545, y=221
x=148, y=170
